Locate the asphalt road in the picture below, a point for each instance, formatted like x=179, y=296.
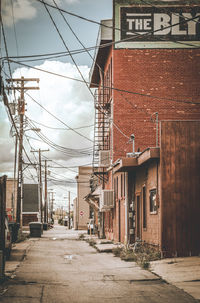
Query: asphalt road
x=59, y=268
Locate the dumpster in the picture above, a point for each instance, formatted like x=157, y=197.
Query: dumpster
x=35, y=229
x=14, y=228
x=45, y=226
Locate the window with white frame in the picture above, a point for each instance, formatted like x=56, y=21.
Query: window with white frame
x=152, y=200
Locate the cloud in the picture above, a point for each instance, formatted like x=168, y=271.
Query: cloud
x=68, y=100
x=24, y=10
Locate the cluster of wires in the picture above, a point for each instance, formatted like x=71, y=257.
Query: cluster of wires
x=81, y=152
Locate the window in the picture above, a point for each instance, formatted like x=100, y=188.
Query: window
x=152, y=197
x=144, y=207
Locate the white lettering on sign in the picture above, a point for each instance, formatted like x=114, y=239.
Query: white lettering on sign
x=139, y=22
x=162, y=24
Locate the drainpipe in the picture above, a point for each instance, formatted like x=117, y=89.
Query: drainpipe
x=126, y=209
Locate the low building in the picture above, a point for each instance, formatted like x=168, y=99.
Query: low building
x=82, y=210
x=160, y=203
x=75, y=214
x=30, y=208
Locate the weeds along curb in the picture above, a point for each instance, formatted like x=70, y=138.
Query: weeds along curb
x=142, y=255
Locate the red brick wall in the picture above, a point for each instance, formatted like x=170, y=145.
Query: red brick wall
x=119, y=212
x=166, y=73
x=27, y=218
x=163, y=74
x=147, y=176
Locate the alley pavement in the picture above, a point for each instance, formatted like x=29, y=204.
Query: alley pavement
x=60, y=268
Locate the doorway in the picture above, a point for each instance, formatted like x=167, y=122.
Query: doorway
x=138, y=217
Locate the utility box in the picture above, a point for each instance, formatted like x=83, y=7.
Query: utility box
x=35, y=229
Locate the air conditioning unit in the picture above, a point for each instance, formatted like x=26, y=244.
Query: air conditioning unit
x=106, y=200
x=104, y=158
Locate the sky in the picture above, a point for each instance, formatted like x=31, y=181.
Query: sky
x=60, y=104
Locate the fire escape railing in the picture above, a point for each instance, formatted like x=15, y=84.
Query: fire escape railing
x=101, y=125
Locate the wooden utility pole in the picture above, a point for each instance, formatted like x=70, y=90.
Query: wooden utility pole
x=40, y=180
x=45, y=194
x=51, y=198
x=69, y=209
x=2, y=225
x=21, y=111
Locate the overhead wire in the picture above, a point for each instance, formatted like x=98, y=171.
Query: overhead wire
x=58, y=128
x=5, y=96
x=113, y=88
x=79, y=152
x=65, y=45
x=72, y=129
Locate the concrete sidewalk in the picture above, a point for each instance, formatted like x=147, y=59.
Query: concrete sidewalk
x=18, y=253
x=183, y=273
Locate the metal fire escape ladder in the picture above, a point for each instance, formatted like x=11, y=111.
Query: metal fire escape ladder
x=101, y=126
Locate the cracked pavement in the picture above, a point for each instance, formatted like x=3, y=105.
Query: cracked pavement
x=59, y=268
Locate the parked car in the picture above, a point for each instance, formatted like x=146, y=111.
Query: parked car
x=90, y=226
x=8, y=239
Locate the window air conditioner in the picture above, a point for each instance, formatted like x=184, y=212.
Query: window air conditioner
x=106, y=200
x=104, y=158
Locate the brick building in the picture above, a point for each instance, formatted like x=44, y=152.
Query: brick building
x=162, y=200
x=82, y=211
x=30, y=207
x=145, y=71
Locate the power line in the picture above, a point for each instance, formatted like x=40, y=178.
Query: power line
x=63, y=41
x=58, y=128
x=59, y=119
x=113, y=88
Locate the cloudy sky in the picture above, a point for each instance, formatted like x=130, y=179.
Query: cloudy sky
x=62, y=108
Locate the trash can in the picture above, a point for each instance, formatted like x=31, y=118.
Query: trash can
x=14, y=228
x=35, y=229
x=45, y=226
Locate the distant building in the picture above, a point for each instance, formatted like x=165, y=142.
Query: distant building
x=30, y=208
x=75, y=213
x=82, y=210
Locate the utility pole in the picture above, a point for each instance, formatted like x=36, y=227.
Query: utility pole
x=45, y=195
x=21, y=111
x=40, y=180
x=69, y=209
x=51, y=200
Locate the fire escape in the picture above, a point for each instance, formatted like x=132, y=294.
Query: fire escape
x=101, y=150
